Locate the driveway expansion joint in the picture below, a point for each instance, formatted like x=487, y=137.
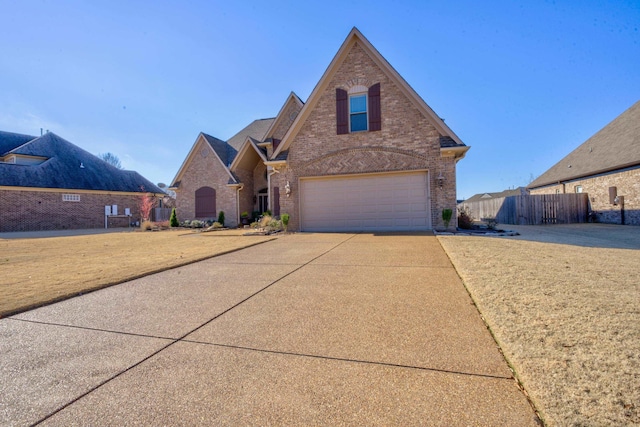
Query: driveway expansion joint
x=87, y=328
x=349, y=360
x=173, y=340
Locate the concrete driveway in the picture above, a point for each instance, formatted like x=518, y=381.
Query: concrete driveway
x=309, y=329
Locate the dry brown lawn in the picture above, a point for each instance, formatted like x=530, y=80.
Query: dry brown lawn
x=37, y=271
x=567, y=318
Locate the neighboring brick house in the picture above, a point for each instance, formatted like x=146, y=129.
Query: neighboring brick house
x=365, y=152
x=47, y=183
x=607, y=167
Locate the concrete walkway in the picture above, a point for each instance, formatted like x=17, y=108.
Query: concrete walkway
x=309, y=329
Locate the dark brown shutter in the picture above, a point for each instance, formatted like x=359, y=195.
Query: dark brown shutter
x=275, y=143
x=375, y=116
x=613, y=193
x=276, y=201
x=205, y=202
x=342, y=111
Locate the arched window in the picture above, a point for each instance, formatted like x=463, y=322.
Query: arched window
x=205, y=202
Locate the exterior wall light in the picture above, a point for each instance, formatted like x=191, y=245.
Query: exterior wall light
x=440, y=179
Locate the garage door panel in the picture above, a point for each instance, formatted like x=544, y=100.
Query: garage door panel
x=395, y=201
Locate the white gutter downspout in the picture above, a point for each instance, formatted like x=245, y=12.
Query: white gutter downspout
x=240, y=188
x=273, y=172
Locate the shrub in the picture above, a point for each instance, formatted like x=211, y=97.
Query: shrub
x=217, y=225
x=244, y=214
x=465, y=220
x=446, y=217
x=266, y=213
x=221, y=218
x=285, y=220
x=163, y=225
x=173, y=221
x=491, y=223
x=255, y=215
x=196, y=223
x=146, y=225
x=266, y=219
x=186, y=223
x=274, y=225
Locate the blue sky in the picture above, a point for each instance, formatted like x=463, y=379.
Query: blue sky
x=522, y=83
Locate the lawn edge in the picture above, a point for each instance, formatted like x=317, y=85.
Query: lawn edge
x=516, y=377
x=60, y=298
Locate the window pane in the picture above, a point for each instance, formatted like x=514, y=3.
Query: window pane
x=358, y=122
x=358, y=104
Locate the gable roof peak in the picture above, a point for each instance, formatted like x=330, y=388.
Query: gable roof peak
x=355, y=36
x=292, y=98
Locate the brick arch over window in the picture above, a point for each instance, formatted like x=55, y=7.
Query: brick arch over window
x=205, y=202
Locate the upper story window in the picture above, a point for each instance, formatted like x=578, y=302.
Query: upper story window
x=358, y=109
x=578, y=188
x=358, y=112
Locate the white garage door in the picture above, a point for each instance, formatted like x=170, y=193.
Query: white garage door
x=381, y=202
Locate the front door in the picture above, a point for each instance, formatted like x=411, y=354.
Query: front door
x=263, y=202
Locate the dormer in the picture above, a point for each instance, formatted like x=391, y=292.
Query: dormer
x=21, y=159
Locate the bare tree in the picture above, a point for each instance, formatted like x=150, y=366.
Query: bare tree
x=112, y=159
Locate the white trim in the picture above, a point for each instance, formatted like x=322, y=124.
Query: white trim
x=366, y=110
x=242, y=152
x=456, y=152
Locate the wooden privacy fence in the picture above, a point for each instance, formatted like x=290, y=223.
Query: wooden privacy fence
x=532, y=209
x=161, y=214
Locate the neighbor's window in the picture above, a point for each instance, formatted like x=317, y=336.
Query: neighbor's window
x=578, y=188
x=358, y=112
x=70, y=197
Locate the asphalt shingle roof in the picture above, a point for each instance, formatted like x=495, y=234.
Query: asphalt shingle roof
x=506, y=193
x=256, y=130
x=69, y=167
x=616, y=146
x=282, y=156
x=448, y=142
x=10, y=141
x=226, y=152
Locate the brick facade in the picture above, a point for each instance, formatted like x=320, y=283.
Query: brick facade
x=627, y=183
x=288, y=115
x=46, y=210
x=205, y=170
x=407, y=141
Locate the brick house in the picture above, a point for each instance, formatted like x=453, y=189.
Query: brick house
x=48, y=183
x=365, y=152
x=607, y=167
